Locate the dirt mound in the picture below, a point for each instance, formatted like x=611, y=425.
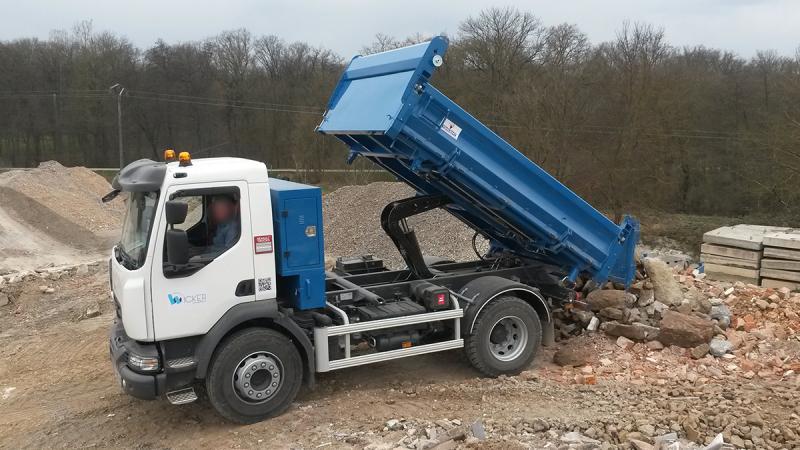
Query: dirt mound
x=54, y=214
x=353, y=226
x=71, y=193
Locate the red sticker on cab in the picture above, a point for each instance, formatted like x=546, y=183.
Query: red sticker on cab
x=263, y=244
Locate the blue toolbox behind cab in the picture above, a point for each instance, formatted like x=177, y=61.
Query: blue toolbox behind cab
x=299, y=248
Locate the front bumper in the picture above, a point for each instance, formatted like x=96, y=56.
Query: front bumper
x=143, y=386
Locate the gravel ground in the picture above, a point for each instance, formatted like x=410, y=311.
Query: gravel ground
x=353, y=227
x=639, y=397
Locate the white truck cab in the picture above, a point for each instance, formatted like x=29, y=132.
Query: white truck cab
x=196, y=260
x=160, y=303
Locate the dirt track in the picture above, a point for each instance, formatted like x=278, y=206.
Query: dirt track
x=57, y=390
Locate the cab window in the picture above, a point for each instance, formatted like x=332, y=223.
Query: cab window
x=213, y=224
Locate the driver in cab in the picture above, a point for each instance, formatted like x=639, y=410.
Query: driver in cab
x=225, y=219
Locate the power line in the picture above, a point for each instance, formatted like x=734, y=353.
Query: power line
x=173, y=98
x=247, y=102
x=616, y=130
x=51, y=92
x=48, y=96
x=226, y=104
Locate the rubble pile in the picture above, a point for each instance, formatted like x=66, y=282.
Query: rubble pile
x=676, y=326
x=677, y=308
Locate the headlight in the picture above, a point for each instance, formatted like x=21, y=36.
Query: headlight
x=143, y=363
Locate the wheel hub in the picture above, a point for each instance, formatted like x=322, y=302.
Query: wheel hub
x=508, y=338
x=257, y=377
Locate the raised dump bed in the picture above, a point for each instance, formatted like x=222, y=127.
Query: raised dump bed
x=385, y=110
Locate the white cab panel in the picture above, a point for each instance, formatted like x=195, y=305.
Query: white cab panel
x=132, y=294
x=207, y=294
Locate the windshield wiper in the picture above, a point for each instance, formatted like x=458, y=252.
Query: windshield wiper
x=125, y=259
x=110, y=196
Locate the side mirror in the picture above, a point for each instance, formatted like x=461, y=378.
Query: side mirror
x=177, y=245
x=176, y=211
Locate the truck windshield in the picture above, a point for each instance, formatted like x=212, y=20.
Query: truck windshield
x=132, y=248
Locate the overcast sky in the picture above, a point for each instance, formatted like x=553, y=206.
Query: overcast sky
x=742, y=26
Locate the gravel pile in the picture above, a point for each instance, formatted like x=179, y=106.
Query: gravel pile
x=63, y=202
x=353, y=226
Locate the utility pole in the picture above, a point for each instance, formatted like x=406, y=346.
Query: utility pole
x=119, y=120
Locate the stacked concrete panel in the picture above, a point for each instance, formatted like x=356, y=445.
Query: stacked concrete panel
x=735, y=253
x=780, y=263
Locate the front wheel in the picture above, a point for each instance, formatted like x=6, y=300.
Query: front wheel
x=255, y=374
x=505, y=338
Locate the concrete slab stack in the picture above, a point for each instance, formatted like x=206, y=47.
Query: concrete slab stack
x=735, y=253
x=780, y=262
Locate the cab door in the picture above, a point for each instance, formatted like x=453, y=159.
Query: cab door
x=220, y=274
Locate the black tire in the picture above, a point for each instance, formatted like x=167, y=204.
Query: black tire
x=227, y=360
x=501, y=312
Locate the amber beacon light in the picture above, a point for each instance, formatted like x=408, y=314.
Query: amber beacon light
x=184, y=159
x=169, y=155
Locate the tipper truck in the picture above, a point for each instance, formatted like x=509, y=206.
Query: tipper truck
x=220, y=280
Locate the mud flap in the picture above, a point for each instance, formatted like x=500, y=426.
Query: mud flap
x=548, y=334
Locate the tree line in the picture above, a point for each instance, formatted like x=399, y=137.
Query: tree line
x=630, y=123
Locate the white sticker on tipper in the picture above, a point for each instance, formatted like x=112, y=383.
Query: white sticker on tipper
x=450, y=128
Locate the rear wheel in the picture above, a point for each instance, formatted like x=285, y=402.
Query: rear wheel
x=255, y=374
x=505, y=338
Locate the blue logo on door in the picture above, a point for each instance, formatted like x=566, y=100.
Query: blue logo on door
x=174, y=299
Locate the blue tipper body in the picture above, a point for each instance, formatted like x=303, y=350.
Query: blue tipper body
x=385, y=109
x=299, y=247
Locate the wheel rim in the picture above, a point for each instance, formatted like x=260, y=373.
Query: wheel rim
x=508, y=338
x=257, y=377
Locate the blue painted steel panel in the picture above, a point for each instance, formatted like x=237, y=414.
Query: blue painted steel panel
x=299, y=247
x=384, y=109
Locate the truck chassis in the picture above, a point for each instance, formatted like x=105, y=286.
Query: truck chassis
x=466, y=283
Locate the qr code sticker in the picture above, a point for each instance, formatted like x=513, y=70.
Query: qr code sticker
x=264, y=284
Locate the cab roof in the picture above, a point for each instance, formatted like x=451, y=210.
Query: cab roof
x=147, y=175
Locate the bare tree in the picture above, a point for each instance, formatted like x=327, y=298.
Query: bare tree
x=500, y=42
x=628, y=123
x=767, y=63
